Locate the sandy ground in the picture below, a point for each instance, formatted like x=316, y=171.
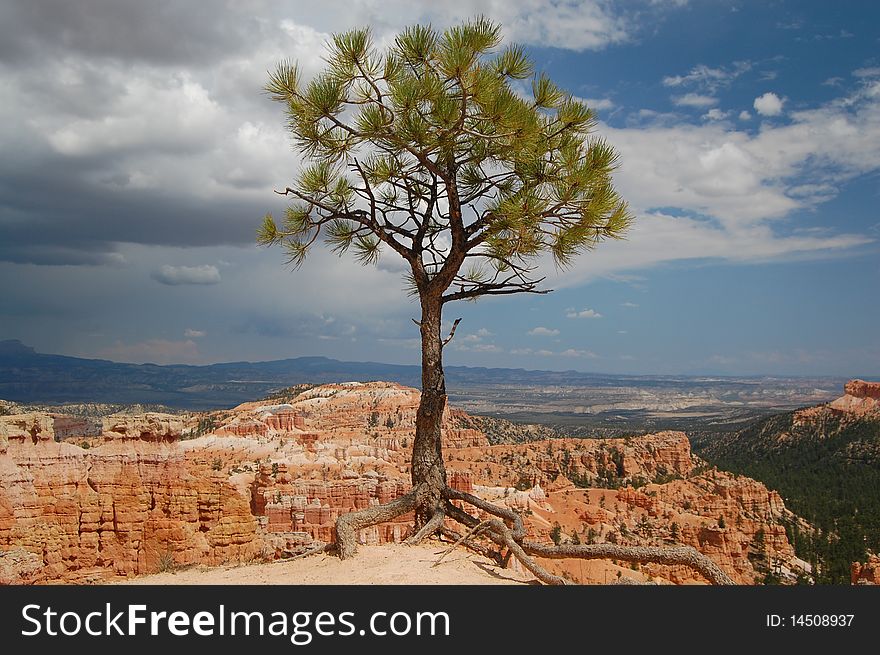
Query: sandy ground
x=392, y=564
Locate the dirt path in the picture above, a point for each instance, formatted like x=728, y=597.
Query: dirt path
x=388, y=564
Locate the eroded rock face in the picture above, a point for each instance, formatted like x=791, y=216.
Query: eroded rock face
x=152, y=426
x=123, y=508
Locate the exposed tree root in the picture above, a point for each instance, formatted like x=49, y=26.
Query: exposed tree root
x=681, y=555
x=431, y=526
x=348, y=525
x=503, y=536
x=508, y=531
x=322, y=548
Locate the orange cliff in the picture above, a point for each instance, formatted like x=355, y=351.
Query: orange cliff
x=859, y=398
x=120, y=508
x=268, y=480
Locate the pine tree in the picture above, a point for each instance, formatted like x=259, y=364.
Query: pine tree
x=428, y=151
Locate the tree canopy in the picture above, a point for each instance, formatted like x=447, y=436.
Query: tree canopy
x=448, y=150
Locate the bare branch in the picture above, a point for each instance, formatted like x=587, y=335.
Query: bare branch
x=452, y=332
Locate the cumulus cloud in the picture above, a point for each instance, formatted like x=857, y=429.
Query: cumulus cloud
x=715, y=114
x=769, y=104
x=175, y=275
x=745, y=116
x=598, y=104
x=584, y=313
x=194, y=334
x=542, y=331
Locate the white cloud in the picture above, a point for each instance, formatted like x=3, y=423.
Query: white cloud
x=873, y=71
x=585, y=313
x=175, y=275
x=694, y=100
x=629, y=304
x=598, y=104
x=542, y=331
x=579, y=354
x=715, y=114
x=194, y=334
x=769, y=104
x=706, y=77
x=745, y=116
x=145, y=109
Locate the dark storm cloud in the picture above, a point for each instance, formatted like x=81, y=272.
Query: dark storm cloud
x=176, y=275
x=50, y=216
x=159, y=31
x=135, y=122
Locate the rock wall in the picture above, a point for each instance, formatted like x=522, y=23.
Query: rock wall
x=128, y=507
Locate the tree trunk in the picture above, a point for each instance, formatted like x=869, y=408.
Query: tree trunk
x=427, y=456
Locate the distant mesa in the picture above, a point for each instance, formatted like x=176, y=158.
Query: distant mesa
x=860, y=398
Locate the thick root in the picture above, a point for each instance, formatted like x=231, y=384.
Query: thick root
x=433, y=525
x=502, y=535
x=518, y=530
x=348, y=525
x=673, y=555
x=513, y=539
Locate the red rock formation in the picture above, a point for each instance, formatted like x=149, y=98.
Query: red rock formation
x=312, y=506
x=860, y=398
x=867, y=573
x=118, y=509
x=273, y=479
x=153, y=426
x=862, y=389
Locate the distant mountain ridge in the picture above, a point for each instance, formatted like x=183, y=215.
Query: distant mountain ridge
x=29, y=376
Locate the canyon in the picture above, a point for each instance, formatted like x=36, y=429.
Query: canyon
x=134, y=494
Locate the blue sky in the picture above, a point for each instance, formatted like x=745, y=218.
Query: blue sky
x=137, y=154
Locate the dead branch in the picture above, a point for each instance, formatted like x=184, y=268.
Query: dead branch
x=477, y=547
x=470, y=533
x=452, y=331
